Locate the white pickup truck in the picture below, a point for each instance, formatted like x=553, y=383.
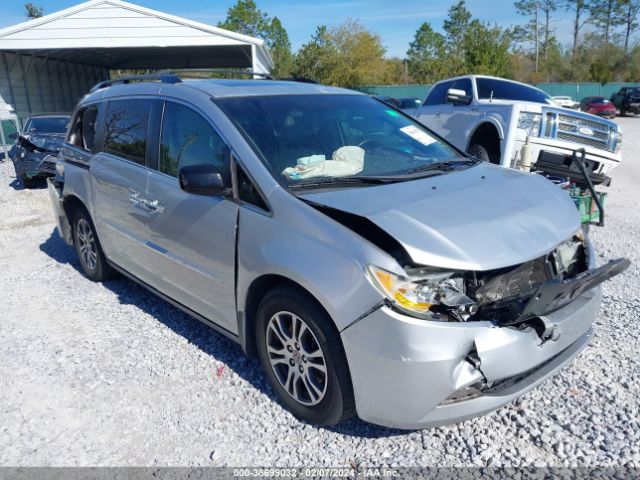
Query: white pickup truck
x=493, y=118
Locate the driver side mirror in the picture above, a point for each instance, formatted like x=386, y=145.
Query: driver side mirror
x=201, y=179
x=13, y=136
x=458, y=97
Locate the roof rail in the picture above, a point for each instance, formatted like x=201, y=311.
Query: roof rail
x=216, y=70
x=174, y=76
x=298, y=79
x=163, y=77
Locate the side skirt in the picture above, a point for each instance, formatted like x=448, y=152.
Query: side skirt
x=176, y=304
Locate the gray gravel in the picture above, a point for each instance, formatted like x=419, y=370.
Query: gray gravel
x=110, y=375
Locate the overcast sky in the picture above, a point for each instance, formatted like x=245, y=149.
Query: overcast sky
x=395, y=21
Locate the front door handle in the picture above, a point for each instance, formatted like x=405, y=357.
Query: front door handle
x=153, y=206
x=135, y=198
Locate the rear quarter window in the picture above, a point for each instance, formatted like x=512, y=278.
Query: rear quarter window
x=125, y=129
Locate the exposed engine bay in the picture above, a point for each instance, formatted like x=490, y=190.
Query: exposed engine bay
x=499, y=294
x=517, y=294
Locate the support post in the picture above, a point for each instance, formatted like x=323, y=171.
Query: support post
x=24, y=80
x=7, y=71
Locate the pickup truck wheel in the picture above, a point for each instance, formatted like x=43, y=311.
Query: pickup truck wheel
x=480, y=152
x=301, y=354
x=88, y=249
x=623, y=112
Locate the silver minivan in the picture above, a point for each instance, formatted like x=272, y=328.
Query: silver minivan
x=372, y=267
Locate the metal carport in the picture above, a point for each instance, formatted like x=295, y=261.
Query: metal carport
x=48, y=63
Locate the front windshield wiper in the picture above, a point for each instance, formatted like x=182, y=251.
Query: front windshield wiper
x=432, y=169
x=444, y=165
x=340, y=180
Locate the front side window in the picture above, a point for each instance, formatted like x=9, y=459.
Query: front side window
x=125, y=128
x=302, y=138
x=492, y=88
x=188, y=139
x=438, y=94
x=463, y=84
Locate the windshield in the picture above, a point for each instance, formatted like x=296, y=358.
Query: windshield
x=304, y=138
x=47, y=125
x=491, y=88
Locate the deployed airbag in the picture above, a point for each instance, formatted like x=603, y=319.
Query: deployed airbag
x=345, y=161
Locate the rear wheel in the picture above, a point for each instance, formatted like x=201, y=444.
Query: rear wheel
x=88, y=249
x=302, y=356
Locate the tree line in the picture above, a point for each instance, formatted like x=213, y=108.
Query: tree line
x=601, y=47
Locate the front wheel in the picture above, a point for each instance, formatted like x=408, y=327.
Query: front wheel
x=480, y=152
x=92, y=259
x=27, y=182
x=302, y=356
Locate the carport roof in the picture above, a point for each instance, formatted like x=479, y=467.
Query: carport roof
x=120, y=35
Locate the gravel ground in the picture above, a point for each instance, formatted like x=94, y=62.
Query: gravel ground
x=109, y=374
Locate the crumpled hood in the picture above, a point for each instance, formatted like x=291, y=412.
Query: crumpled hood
x=480, y=218
x=44, y=142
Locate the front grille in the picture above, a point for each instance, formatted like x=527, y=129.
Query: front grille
x=580, y=139
x=567, y=127
x=27, y=164
x=583, y=122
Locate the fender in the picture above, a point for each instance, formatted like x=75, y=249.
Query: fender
x=493, y=118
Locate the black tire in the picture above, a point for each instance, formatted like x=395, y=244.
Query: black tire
x=480, y=152
x=27, y=182
x=94, y=264
x=337, y=403
x=623, y=112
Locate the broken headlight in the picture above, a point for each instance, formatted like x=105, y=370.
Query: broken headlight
x=530, y=123
x=422, y=292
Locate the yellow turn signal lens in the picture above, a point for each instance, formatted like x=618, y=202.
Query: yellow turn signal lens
x=401, y=291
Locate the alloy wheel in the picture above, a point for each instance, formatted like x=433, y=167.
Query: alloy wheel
x=296, y=358
x=87, y=244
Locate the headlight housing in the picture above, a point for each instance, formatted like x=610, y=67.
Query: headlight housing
x=616, y=140
x=421, y=293
x=530, y=123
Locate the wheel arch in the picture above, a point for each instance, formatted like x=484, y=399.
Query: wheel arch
x=72, y=204
x=248, y=306
x=492, y=134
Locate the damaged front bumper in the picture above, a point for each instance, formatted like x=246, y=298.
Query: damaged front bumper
x=410, y=373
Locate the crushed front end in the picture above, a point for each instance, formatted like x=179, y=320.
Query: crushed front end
x=484, y=339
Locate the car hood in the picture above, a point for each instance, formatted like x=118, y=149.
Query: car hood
x=480, y=218
x=44, y=142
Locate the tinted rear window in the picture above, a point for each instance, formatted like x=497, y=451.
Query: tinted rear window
x=125, y=128
x=499, y=89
